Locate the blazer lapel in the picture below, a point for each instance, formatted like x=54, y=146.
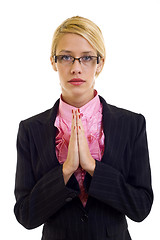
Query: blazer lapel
x=115, y=128
x=50, y=134
x=44, y=134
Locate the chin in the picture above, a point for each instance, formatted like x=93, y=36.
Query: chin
x=77, y=93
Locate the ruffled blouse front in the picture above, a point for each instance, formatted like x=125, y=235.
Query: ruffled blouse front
x=91, y=116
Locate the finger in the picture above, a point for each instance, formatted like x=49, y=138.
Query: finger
x=79, y=121
x=73, y=126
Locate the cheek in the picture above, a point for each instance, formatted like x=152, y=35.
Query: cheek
x=89, y=71
x=92, y=73
x=62, y=73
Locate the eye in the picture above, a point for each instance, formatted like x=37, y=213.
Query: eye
x=87, y=58
x=65, y=58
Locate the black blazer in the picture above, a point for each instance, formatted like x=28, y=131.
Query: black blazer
x=121, y=184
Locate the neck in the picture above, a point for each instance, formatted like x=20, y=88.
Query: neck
x=79, y=101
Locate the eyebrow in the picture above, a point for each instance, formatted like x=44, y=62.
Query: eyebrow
x=85, y=52
x=66, y=51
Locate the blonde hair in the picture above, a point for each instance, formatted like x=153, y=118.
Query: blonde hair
x=83, y=27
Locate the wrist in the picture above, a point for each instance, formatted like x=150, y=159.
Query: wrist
x=91, y=166
x=67, y=172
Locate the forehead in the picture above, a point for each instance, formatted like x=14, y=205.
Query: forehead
x=74, y=43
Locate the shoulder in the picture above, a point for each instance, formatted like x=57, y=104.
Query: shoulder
x=116, y=114
x=43, y=117
x=38, y=117
x=118, y=111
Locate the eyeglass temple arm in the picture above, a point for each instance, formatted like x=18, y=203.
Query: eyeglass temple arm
x=55, y=58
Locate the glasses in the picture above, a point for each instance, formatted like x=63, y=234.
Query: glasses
x=85, y=60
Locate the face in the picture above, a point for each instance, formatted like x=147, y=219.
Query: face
x=76, y=46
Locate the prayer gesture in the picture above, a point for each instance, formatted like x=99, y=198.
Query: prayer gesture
x=78, y=150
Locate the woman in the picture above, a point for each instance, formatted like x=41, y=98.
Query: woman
x=82, y=165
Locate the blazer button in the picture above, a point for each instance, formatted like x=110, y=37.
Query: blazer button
x=68, y=199
x=84, y=218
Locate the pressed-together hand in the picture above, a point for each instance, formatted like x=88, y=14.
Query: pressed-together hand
x=87, y=162
x=72, y=162
x=78, y=150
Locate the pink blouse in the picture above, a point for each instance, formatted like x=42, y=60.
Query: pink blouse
x=91, y=116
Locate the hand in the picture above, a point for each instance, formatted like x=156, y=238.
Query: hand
x=87, y=162
x=72, y=162
x=78, y=150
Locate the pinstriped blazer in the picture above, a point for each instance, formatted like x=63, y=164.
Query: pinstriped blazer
x=120, y=186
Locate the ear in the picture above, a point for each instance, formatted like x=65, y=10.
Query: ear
x=100, y=65
x=54, y=65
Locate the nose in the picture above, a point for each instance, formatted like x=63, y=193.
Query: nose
x=76, y=67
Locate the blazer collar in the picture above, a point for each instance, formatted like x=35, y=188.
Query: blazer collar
x=110, y=114
x=52, y=113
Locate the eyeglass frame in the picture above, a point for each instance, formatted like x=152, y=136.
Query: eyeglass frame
x=97, y=57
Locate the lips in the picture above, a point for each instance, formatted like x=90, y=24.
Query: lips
x=76, y=81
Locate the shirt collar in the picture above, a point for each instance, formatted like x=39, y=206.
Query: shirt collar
x=87, y=111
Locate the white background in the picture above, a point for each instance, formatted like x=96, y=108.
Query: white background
x=28, y=85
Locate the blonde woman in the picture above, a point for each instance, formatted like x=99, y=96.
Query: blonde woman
x=82, y=165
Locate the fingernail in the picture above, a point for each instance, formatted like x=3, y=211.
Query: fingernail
x=79, y=116
x=72, y=110
x=79, y=127
x=73, y=116
x=78, y=110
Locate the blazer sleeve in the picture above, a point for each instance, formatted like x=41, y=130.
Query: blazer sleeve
x=36, y=201
x=130, y=195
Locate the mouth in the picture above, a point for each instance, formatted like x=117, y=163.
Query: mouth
x=76, y=81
